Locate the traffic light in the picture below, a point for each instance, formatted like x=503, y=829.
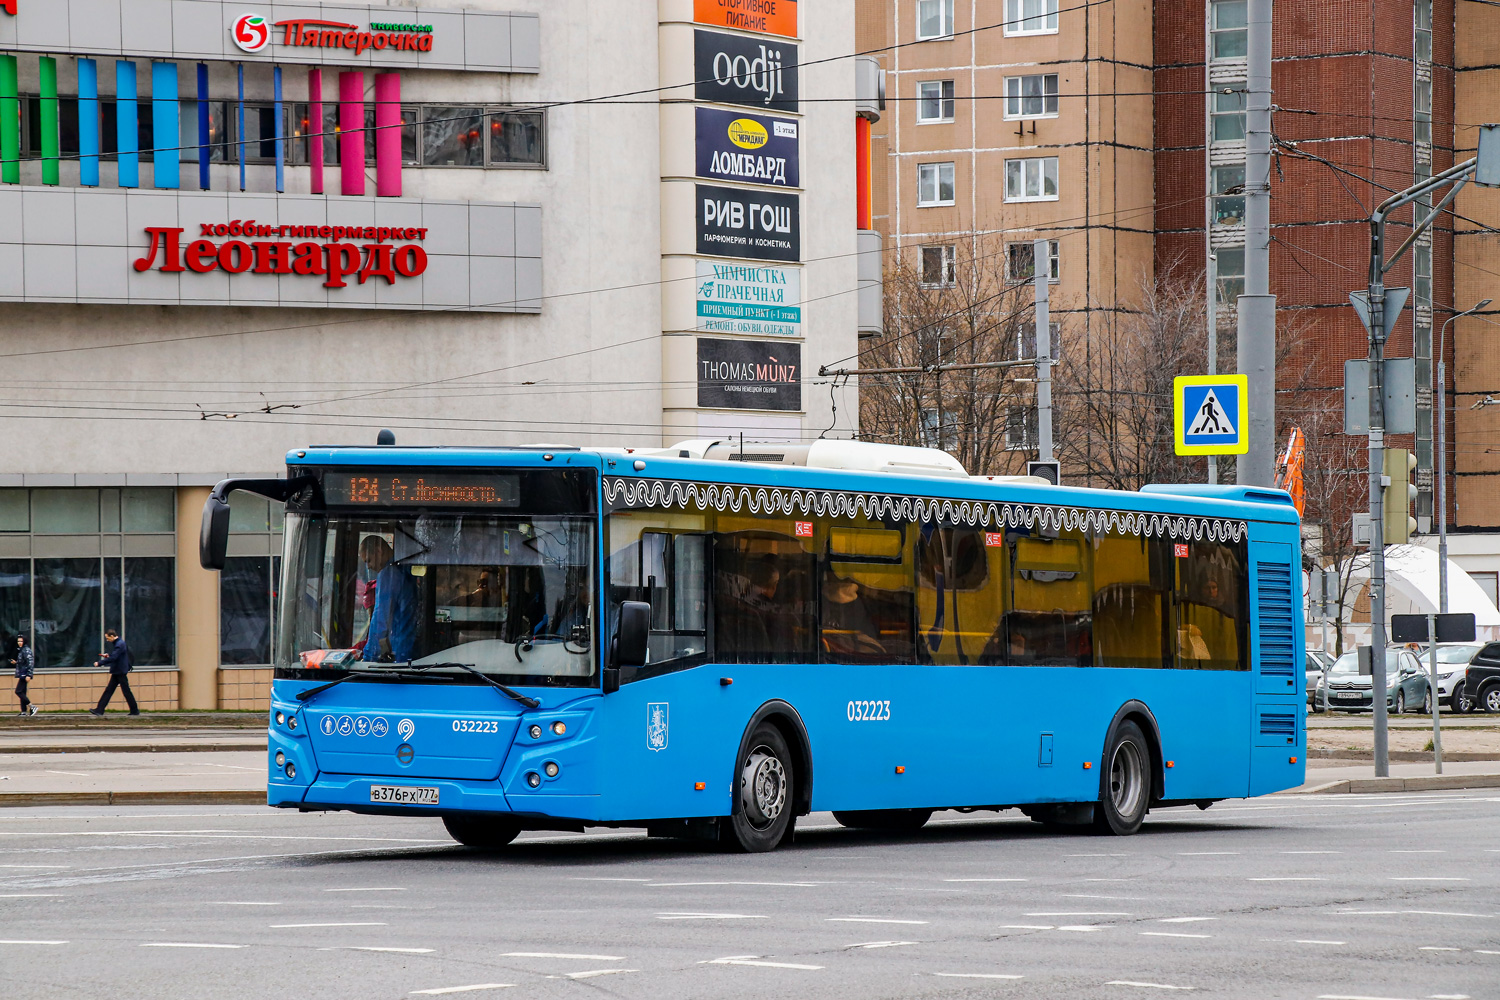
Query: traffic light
x=1398, y=526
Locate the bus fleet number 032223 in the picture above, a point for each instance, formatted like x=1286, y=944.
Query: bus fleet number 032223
x=869, y=711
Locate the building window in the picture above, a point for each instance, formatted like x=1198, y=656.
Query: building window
x=1422, y=109
x=934, y=184
x=1422, y=15
x=1422, y=264
x=1031, y=179
x=1228, y=29
x=1030, y=17
x=1020, y=261
x=934, y=19
x=1026, y=340
x=939, y=266
x=939, y=430
x=1020, y=428
x=1229, y=196
x=1231, y=275
x=1489, y=583
x=431, y=136
x=1229, y=112
x=1031, y=96
x=935, y=102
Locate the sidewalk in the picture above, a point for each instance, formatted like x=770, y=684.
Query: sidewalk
x=135, y=739
x=1359, y=776
x=133, y=778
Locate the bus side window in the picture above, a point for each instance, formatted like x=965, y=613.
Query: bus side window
x=763, y=585
x=669, y=571
x=865, y=598
x=1210, y=606
x=960, y=597
x=1130, y=602
x=1049, y=621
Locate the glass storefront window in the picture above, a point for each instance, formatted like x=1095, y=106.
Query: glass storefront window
x=15, y=600
x=517, y=138
x=146, y=510
x=245, y=597
x=65, y=512
x=15, y=510
x=151, y=610
x=67, y=628
x=453, y=137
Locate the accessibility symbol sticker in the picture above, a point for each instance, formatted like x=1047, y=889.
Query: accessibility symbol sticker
x=346, y=725
x=327, y=725
x=361, y=726
x=1211, y=414
x=380, y=727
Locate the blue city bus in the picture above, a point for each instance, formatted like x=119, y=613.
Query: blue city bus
x=709, y=642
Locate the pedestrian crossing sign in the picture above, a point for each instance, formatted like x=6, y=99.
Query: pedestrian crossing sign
x=1211, y=414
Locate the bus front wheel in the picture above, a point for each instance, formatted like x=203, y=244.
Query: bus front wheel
x=889, y=820
x=1127, y=781
x=766, y=784
x=487, y=833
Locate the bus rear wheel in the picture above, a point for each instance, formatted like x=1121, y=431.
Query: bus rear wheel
x=1127, y=781
x=766, y=783
x=890, y=820
x=485, y=833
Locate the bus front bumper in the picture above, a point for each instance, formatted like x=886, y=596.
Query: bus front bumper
x=360, y=793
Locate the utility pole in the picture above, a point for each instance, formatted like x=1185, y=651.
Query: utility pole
x=1257, y=307
x=1213, y=334
x=1041, y=266
x=1484, y=169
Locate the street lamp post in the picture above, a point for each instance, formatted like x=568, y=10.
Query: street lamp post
x=1442, y=459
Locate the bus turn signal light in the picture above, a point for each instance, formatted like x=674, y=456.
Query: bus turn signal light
x=1291, y=760
x=900, y=768
x=1088, y=765
x=1171, y=763
x=698, y=786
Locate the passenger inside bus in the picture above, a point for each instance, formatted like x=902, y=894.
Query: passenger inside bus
x=848, y=627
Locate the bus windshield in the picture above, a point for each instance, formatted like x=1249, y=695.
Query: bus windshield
x=509, y=596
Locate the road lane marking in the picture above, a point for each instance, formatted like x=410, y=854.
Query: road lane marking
x=1096, y=855
x=371, y=888
x=871, y=920
x=1207, y=854
x=1309, y=852
x=1478, y=951
x=1081, y=895
x=1434, y=947
x=1344, y=996
x=711, y=916
x=1184, y=920
x=1429, y=851
x=29, y=895
x=187, y=944
x=755, y=960
x=1172, y=934
x=1078, y=913
x=1447, y=996
x=31, y=942
x=1289, y=878
x=1084, y=928
x=590, y=974
x=1027, y=927
x=1425, y=913
x=49, y=867
x=1148, y=986
x=75, y=774
x=595, y=878
x=1314, y=941
x=1428, y=878
x=236, y=902
x=976, y=975
x=984, y=880
x=361, y=923
x=805, y=885
x=462, y=989
x=398, y=951
x=878, y=944
x=564, y=955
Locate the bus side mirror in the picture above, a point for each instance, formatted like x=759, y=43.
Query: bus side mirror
x=635, y=626
x=213, y=537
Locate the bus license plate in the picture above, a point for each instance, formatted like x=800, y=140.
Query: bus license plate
x=404, y=795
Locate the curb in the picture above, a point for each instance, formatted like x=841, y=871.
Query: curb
x=1426, y=782
x=132, y=747
x=1403, y=756
x=163, y=798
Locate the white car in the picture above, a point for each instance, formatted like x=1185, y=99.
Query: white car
x=1452, y=660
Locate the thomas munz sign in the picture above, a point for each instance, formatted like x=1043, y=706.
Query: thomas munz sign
x=749, y=374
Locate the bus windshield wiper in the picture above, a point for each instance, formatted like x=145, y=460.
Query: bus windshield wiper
x=529, y=702
x=355, y=675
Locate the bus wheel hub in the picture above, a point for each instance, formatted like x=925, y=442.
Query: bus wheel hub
x=764, y=787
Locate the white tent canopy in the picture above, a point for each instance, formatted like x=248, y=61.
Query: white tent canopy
x=1411, y=574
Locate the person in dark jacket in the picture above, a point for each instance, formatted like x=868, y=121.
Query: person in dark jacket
x=24, y=663
x=119, y=663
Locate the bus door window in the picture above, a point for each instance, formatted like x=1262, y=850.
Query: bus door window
x=1130, y=602
x=764, y=591
x=1211, y=607
x=960, y=600
x=668, y=570
x=1049, y=619
x=866, y=599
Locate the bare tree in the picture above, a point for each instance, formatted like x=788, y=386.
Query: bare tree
x=942, y=311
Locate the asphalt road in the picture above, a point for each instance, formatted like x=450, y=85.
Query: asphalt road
x=1382, y=896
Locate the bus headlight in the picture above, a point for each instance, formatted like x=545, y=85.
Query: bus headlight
x=536, y=732
x=281, y=718
x=280, y=759
x=551, y=768
x=559, y=727
x=291, y=722
x=291, y=769
x=533, y=779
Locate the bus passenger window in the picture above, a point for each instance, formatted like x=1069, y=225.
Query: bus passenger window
x=1049, y=621
x=763, y=580
x=960, y=594
x=1130, y=601
x=1211, y=608
x=865, y=595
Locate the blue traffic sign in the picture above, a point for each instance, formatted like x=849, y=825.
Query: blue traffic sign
x=1211, y=414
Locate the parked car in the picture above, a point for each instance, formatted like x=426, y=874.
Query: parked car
x=1452, y=662
x=1350, y=691
x=1481, y=688
x=1317, y=662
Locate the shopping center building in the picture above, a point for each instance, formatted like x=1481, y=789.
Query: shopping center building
x=230, y=229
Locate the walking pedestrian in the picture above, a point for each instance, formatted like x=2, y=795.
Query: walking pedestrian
x=119, y=663
x=24, y=663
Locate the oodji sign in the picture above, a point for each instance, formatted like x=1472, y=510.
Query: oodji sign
x=749, y=374
x=730, y=69
x=733, y=146
x=762, y=225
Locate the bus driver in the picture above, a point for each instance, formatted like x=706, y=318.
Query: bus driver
x=393, y=621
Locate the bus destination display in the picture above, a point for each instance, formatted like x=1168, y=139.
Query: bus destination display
x=421, y=489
